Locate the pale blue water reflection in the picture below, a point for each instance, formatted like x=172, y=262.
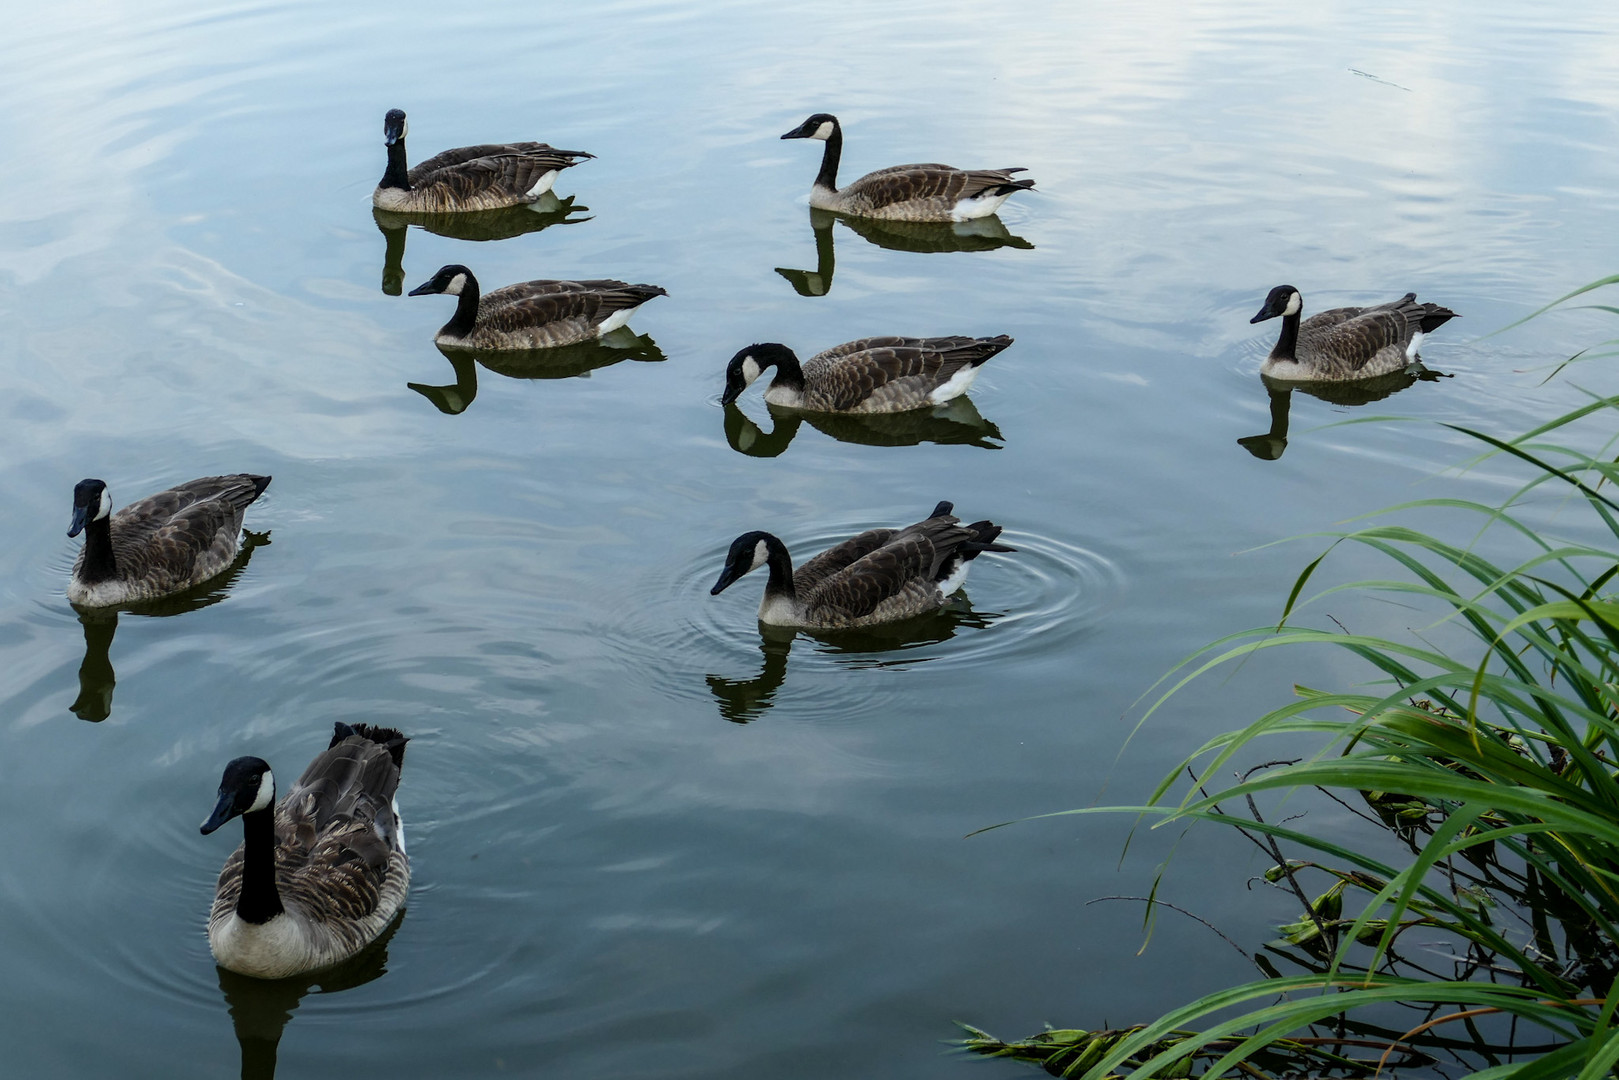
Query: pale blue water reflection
x=611, y=878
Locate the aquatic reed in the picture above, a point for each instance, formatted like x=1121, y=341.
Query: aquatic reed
x=1495, y=767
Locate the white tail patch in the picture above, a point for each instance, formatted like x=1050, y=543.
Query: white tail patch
x=615, y=320
x=977, y=207
x=542, y=185
x=957, y=578
x=1411, y=349
x=955, y=386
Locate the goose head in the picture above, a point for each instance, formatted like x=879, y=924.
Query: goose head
x=748, y=552
x=394, y=127
x=449, y=279
x=247, y=786
x=748, y=364
x=1283, y=300
x=820, y=126
x=90, y=503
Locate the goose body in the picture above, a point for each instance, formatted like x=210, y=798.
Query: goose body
x=322, y=873
x=484, y=177
x=879, y=576
x=1346, y=343
x=869, y=375
x=163, y=544
x=927, y=192
x=533, y=314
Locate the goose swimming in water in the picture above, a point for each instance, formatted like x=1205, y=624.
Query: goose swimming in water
x=870, y=375
x=533, y=314
x=1349, y=342
x=320, y=875
x=484, y=177
x=930, y=192
x=164, y=544
x=879, y=576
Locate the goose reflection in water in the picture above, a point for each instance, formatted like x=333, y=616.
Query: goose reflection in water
x=563, y=362
x=260, y=1008
x=956, y=422
x=742, y=701
x=502, y=224
x=96, y=676
x=1270, y=445
x=979, y=234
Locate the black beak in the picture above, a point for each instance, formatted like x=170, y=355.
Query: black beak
x=732, y=392
x=422, y=290
x=1264, y=313
x=728, y=577
x=802, y=131
x=223, y=811
x=392, y=133
x=80, y=514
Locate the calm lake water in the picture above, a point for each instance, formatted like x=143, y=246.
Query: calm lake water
x=647, y=840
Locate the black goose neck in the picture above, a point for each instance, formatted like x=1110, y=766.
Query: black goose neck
x=396, y=175
x=780, y=565
x=259, y=901
x=99, y=564
x=789, y=373
x=1289, y=341
x=828, y=176
x=466, y=310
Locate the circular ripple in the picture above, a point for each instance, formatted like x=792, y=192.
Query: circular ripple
x=1031, y=603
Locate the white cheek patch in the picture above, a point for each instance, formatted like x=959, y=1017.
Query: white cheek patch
x=761, y=555
x=457, y=283
x=404, y=128
x=824, y=131
x=1295, y=304
x=266, y=794
x=106, y=505
x=750, y=370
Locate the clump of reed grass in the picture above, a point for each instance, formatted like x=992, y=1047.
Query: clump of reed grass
x=1496, y=767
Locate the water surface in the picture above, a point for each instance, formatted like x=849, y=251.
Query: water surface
x=649, y=841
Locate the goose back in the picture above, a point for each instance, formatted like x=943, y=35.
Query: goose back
x=340, y=868
x=924, y=192
x=546, y=314
x=165, y=543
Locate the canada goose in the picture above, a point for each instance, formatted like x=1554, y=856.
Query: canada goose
x=869, y=375
x=930, y=192
x=320, y=875
x=533, y=314
x=1349, y=342
x=164, y=544
x=879, y=576
x=468, y=178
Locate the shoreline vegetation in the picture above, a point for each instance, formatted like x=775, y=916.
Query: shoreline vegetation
x=1488, y=764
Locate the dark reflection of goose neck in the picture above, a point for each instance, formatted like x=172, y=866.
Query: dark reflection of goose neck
x=1269, y=446
x=817, y=282
x=747, y=437
x=393, y=257
x=744, y=700
x=260, y=1008
x=96, y=676
x=452, y=399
